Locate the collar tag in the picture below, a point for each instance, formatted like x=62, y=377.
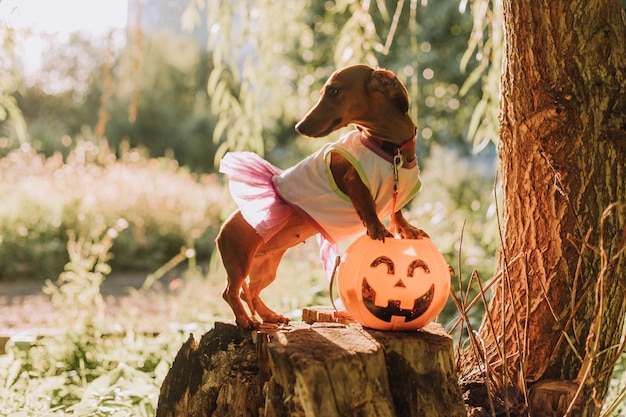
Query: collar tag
x=398, y=161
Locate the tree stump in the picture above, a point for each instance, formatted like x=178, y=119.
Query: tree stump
x=310, y=370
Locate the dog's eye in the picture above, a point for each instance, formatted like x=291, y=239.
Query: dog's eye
x=332, y=91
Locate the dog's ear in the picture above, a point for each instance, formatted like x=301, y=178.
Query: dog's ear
x=386, y=82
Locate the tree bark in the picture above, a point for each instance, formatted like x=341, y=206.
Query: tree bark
x=555, y=322
x=324, y=369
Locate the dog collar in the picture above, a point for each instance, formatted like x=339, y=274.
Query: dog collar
x=391, y=148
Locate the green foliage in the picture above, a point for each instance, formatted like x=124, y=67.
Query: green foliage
x=165, y=92
x=265, y=64
x=264, y=79
x=82, y=371
x=113, y=375
x=615, y=404
x=79, y=284
x=156, y=205
x=158, y=99
x=65, y=95
x=10, y=114
x=458, y=193
x=486, y=43
x=249, y=95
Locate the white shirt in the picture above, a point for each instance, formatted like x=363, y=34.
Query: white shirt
x=310, y=188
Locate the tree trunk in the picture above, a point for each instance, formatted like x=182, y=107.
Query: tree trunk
x=324, y=369
x=554, y=326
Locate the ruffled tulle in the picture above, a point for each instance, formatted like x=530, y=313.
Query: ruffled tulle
x=250, y=182
x=251, y=186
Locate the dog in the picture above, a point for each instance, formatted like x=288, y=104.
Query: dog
x=330, y=192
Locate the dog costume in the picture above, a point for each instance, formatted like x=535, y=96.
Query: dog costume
x=266, y=195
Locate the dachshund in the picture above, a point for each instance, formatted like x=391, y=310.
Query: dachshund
x=342, y=191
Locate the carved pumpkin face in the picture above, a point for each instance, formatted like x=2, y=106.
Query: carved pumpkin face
x=401, y=284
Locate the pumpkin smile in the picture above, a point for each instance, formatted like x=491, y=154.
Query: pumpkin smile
x=393, y=308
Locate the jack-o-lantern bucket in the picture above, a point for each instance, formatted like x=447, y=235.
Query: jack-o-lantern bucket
x=401, y=284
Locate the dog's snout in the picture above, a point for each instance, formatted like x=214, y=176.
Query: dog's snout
x=317, y=129
x=300, y=128
x=306, y=127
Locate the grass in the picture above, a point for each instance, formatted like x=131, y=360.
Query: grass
x=82, y=370
x=115, y=375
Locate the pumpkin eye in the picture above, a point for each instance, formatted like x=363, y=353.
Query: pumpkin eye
x=417, y=263
x=386, y=261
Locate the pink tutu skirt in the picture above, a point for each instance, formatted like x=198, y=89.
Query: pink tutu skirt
x=251, y=186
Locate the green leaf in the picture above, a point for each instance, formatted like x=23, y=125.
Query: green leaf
x=475, y=121
x=219, y=96
x=214, y=78
x=471, y=79
x=220, y=152
x=219, y=129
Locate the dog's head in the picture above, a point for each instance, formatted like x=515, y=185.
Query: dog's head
x=355, y=94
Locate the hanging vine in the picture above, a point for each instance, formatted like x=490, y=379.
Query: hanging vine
x=486, y=46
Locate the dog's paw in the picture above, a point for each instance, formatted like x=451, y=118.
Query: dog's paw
x=378, y=232
x=411, y=232
x=276, y=319
x=246, y=322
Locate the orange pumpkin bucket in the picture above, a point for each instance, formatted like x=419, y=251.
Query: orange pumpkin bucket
x=401, y=284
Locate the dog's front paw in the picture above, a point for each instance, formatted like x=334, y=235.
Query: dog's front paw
x=378, y=232
x=412, y=232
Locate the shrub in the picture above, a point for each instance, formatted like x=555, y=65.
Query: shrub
x=159, y=206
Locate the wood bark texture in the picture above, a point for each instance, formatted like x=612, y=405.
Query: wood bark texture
x=554, y=326
x=323, y=369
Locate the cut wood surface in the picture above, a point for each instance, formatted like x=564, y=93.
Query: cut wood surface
x=320, y=369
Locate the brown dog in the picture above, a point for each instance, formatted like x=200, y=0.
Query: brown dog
x=377, y=104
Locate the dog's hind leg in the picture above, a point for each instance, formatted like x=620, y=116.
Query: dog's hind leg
x=262, y=274
x=268, y=256
x=238, y=243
